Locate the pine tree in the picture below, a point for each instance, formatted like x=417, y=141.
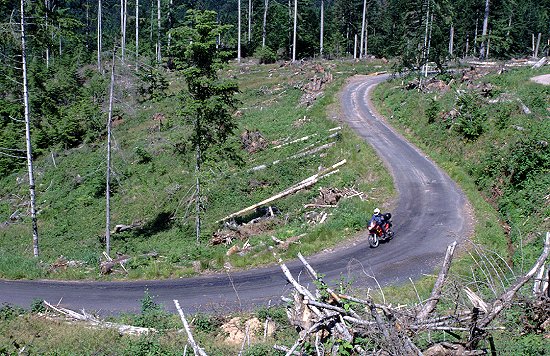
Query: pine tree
x=209, y=102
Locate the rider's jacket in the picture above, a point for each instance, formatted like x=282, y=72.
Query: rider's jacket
x=378, y=218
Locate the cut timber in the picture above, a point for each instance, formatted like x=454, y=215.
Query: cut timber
x=190, y=340
x=540, y=63
x=99, y=324
x=436, y=291
x=299, y=186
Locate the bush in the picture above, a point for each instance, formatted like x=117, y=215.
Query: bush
x=265, y=55
x=153, y=315
x=9, y=312
x=470, y=122
x=432, y=111
x=206, y=323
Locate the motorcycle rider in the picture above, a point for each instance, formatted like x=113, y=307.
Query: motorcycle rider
x=379, y=219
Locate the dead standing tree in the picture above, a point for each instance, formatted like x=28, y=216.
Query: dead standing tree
x=345, y=322
x=32, y=188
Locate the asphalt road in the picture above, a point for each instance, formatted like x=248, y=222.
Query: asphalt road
x=431, y=213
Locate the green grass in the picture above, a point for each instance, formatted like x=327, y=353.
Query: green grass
x=479, y=165
x=154, y=179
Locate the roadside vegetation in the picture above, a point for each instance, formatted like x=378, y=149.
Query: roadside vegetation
x=490, y=131
x=154, y=179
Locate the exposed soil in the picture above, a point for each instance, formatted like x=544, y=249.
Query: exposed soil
x=542, y=79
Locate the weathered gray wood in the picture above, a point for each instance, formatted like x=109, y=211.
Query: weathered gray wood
x=298, y=186
x=32, y=190
x=436, y=291
x=196, y=348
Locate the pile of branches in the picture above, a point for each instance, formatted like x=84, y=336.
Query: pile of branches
x=330, y=196
x=331, y=322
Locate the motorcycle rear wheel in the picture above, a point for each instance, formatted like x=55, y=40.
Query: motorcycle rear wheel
x=373, y=240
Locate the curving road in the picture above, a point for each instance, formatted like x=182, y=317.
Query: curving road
x=431, y=213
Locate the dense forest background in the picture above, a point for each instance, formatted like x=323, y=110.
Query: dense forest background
x=63, y=41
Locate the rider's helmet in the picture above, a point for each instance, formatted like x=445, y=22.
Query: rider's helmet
x=376, y=211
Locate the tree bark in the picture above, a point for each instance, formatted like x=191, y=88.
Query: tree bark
x=355, y=47
x=99, y=35
x=170, y=24
x=429, y=44
x=363, y=29
x=266, y=5
x=321, y=35
x=196, y=348
x=198, y=191
x=294, y=33
x=424, y=50
x=436, y=291
x=137, y=35
x=451, y=40
x=124, y=13
x=108, y=171
x=537, y=46
x=159, y=57
x=32, y=191
x=249, y=20
x=475, y=38
x=239, y=31
x=47, y=5
x=482, y=50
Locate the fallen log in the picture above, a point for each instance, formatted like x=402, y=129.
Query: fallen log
x=190, y=340
x=91, y=321
x=106, y=267
x=436, y=291
x=298, y=186
x=540, y=63
x=498, y=305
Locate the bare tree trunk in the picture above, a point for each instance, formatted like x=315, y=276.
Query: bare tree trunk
x=249, y=20
x=60, y=40
x=366, y=37
x=424, y=50
x=137, y=35
x=47, y=4
x=451, y=40
x=158, y=32
x=87, y=24
x=488, y=45
x=108, y=171
x=99, y=35
x=355, y=47
x=467, y=46
x=475, y=38
x=124, y=13
x=151, y=23
x=362, y=29
x=266, y=6
x=482, y=50
x=170, y=6
x=32, y=191
x=239, y=31
x=429, y=44
x=322, y=34
x=537, y=46
x=197, y=191
x=294, y=33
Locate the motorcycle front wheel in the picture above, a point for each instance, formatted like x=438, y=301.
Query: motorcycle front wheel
x=373, y=240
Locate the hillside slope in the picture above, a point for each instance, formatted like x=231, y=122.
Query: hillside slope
x=154, y=181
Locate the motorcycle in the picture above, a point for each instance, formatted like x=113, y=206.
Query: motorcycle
x=377, y=234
